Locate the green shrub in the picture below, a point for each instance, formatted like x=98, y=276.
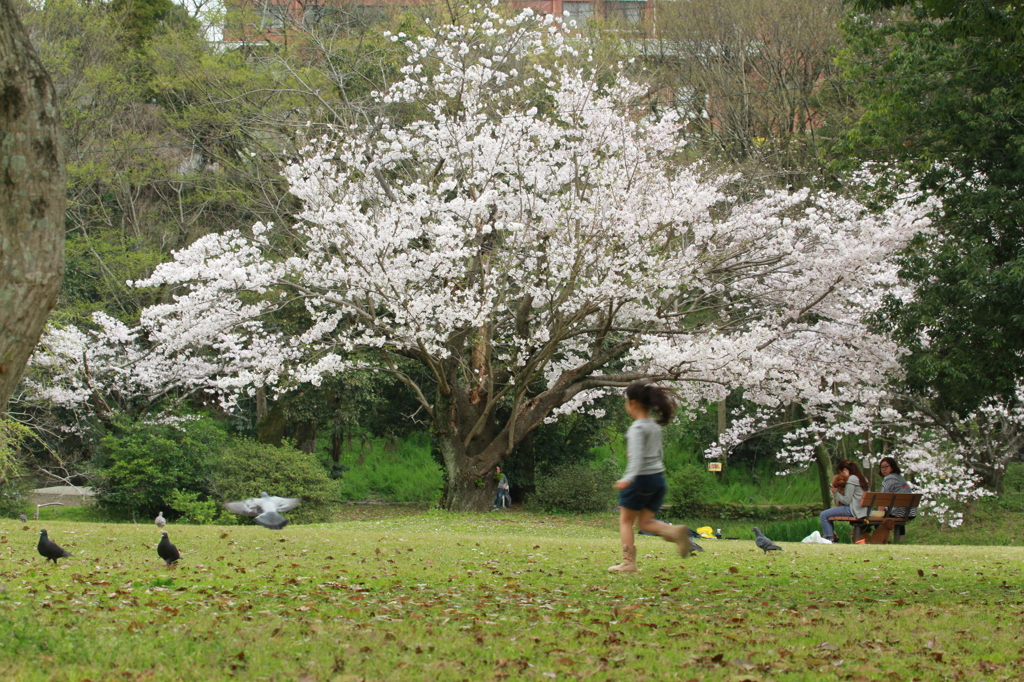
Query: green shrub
x=141, y=465
x=690, y=488
x=245, y=468
x=578, y=488
x=14, y=484
x=189, y=508
x=729, y=511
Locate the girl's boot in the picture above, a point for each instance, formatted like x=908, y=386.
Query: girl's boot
x=628, y=564
x=681, y=536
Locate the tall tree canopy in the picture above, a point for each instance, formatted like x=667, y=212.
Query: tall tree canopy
x=943, y=99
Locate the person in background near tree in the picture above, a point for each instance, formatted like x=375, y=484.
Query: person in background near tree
x=893, y=482
x=503, y=499
x=848, y=498
x=642, y=487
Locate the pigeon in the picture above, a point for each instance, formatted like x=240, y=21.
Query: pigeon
x=167, y=551
x=694, y=547
x=265, y=509
x=160, y=521
x=764, y=543
x=24, y=519
x=50, y=549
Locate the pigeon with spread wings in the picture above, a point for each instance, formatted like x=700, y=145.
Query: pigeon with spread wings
x=265, y=510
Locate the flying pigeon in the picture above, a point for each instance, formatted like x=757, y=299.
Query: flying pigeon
x=695, y=547
x=266, y=509
x=167, y=551
x=160, y=521
x=24, y=519
x=764, y=543
x=50, y=549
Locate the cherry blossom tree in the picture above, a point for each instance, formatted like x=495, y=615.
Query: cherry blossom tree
x=522, y=228
x=953, y=460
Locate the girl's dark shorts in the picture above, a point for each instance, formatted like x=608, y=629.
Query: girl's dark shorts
x=647, y=492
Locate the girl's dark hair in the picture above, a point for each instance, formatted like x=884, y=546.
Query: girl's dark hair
x=653, y=397
x=854, y=471
x=894, y=468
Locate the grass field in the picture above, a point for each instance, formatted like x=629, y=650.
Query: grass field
x=436, y=596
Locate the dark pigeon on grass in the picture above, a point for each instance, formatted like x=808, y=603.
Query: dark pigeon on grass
x=167, y=551
x=764, y=543
x=22, y=517
x=50, y=549
x=265, y=510
x=695, y=547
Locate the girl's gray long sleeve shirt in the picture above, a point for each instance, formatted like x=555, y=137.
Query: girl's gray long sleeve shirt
x=643, y=449
x=851, y=496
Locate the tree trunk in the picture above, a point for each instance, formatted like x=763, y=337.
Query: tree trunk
x=305, y=436
x=824, y=474
x=336, y=441
x=271, y=429
x=723, y=424
x=471, y=485
x=32, y=199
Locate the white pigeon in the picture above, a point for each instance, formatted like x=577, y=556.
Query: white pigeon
x=265, y=510
x=160, y=521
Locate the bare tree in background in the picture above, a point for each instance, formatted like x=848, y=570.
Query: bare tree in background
x=752, y=76
x=32, y=187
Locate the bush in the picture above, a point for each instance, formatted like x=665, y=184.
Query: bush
x=689, y=490
x=734, y=511
x=14, y=484
x=577, y=489
x=189, y=508
x=245, y=468
x=140, y=467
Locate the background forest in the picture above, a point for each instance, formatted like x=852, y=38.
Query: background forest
x=173, y=131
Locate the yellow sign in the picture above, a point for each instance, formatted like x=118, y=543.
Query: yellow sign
x=714, y=466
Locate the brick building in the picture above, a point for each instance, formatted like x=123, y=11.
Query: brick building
x=261, y=21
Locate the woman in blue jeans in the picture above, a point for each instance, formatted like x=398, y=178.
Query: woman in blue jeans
x=849, y=498
x=642, y=487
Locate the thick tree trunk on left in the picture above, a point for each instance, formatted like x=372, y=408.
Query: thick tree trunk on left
x=32, y=200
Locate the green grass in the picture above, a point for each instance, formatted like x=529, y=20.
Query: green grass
x=396, y=471
x=427, y=595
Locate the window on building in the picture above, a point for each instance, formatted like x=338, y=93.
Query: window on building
x=274, y=15
x=344, y=15
x=580, y=12
x=629, y=11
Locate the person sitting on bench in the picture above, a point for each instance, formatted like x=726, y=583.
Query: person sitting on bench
x=893, y=482
x=848, y=499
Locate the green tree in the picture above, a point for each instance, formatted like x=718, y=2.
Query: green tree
x=943, y=99
x=142, y=464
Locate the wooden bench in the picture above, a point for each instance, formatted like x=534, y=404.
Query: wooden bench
x=882, y=500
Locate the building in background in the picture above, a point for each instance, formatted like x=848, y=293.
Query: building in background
x=251, y=22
